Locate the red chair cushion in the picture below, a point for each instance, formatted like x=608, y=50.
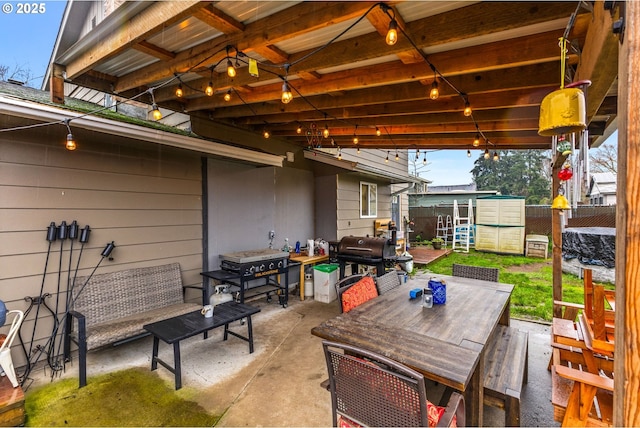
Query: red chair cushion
x=360, y=292
x=434, y=413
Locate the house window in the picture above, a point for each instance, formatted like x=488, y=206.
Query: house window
x=368, y=200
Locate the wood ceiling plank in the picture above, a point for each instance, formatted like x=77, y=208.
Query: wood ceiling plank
x=140, y=27
x=495, y=80
x=378, y=113
x=294, y=21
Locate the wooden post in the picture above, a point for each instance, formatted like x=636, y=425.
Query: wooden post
x=627, y=318
x=56, y=84
x=556, y=235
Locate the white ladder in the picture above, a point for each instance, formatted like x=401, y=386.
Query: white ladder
x=463, y=231
x=444, y=230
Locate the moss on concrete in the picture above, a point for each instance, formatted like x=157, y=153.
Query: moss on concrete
x=132, y=397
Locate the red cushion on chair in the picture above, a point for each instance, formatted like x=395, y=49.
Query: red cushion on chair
x=434, y=413
x=360, y=292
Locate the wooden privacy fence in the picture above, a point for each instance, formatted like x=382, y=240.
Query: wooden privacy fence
x=537, y=218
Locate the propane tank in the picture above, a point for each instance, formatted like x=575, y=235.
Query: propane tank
x=308, y=285
x=220, y=295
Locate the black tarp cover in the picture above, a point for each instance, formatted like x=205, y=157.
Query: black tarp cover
x=590, y=245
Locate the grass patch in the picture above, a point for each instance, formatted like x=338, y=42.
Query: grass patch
x=532, y=297
x=132, y=397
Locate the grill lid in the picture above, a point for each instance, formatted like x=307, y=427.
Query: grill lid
x=250, y=256
x=366, y=247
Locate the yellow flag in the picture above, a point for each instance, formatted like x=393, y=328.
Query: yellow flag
x=253, y=67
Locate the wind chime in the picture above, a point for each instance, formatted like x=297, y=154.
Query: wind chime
x=563, y=117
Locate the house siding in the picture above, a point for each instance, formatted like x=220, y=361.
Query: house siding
x=146, y=198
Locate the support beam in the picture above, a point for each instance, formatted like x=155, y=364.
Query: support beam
x=627, y=321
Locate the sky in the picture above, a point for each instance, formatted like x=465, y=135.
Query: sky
x=27, y=39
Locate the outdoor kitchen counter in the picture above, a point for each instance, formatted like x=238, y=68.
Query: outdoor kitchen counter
x=304, y=261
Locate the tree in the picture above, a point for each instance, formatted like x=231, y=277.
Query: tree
x=604, y=158
x=517, y=173
x=18, y=73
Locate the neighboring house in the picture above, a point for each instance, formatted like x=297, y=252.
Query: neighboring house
x=602, y=188
x=471, y=187
x=432, y=198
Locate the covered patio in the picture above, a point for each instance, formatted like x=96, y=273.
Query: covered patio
x=355, y=88
x=279, y=384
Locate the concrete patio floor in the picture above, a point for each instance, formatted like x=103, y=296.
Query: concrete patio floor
x=279, y=384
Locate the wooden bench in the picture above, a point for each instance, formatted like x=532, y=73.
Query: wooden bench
x=112, y=308
x=506, y=370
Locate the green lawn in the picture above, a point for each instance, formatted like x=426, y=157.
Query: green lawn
x=532, y=297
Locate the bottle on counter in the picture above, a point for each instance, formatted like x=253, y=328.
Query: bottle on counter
x=286, y=247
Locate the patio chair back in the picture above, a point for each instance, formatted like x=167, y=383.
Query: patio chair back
x=476, y=272
x=368, y=389
x=344, y=284
x=6, y=362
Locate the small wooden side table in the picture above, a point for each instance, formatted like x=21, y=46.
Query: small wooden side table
x=305, y=260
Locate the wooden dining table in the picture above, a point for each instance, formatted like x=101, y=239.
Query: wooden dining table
x=445, y=343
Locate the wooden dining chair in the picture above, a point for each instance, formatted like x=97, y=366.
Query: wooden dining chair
x=371, y=390
x=579, y=397
x=476, y=272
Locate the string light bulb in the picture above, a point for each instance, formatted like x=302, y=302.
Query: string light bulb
x=467, y=108
x=179, y=92
x=355, y=136
x=325, y=131
x=476, y=141
x=155, y=112
x=378, y=132
x=486, y=153
x=70, y=144
x=434, y=93
x=387, y=158
x=339, y=154
x=468, y=153
x=424, y=159
x=495, y=156
x=397, y=156
x=266, y=134
x=392, y=33
x=227, y=96
x=231, y=70
x=299, y=130
x=287, y=96
x=358, y=151
x=209, y=89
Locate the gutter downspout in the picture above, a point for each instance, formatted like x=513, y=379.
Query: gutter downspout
x=397, y=192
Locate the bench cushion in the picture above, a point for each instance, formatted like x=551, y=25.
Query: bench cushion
x=124, y=328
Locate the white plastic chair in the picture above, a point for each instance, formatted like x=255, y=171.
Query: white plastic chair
x=6, y=362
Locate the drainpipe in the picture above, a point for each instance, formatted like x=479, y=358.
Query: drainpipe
x=396, y=193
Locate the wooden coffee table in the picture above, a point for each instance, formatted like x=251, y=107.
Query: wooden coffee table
x=173, y=330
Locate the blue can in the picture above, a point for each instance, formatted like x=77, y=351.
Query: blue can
x=439, y=289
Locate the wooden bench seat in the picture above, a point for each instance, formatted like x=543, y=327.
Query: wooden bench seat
x=505, y=371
